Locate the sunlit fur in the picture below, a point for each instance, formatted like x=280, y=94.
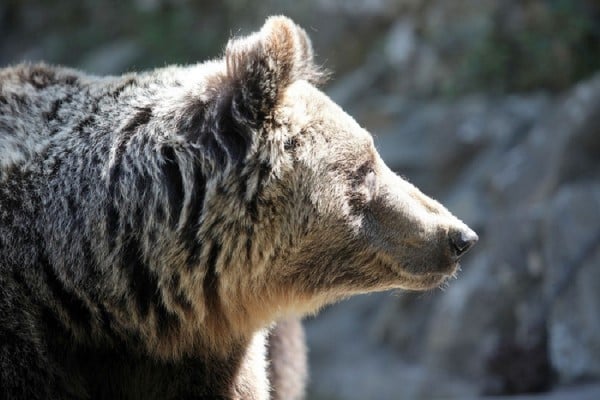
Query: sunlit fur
x=154, y=226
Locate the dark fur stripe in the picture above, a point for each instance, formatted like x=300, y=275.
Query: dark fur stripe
x=210, y=142
x=248, y=248
x=235, y=136
x=195, y=208
x=203, y=130
x=166, y=321
x=108, y=321
x=112, y=224
x=118, y=90
x=38, y=76
x=53, y=113
x=174, y=184
x=76, y=310
x=84, y=123
x=112, y=216
x=252, y=206
x=142, y=117
x=211, y=280
x=142, y=282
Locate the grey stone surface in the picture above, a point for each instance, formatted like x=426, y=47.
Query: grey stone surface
x=573, y=392
x=532, y=171
x=349, y=362
x=574, y=322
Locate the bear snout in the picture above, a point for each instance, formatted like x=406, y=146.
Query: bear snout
x=462, y=240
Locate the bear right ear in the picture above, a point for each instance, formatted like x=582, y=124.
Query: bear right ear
x=262, y=65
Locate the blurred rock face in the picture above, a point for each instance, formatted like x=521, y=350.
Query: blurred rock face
x=421, y=48
x=574, y=320
x=491, y=106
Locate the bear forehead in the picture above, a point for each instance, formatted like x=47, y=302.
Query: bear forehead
x=306, y=106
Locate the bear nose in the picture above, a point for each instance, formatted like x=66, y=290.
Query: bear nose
x=462, y=240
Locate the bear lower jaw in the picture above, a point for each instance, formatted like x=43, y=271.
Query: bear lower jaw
x=428, y=280
x=426, y=276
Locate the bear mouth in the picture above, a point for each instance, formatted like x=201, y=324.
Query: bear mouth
x=418, y=276
x=429, y=279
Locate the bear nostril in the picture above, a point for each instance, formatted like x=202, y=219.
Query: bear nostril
x=461, y=241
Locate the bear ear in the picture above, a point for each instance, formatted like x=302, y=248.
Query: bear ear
x=261, y=65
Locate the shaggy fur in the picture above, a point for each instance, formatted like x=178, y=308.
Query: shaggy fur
x=153, y=226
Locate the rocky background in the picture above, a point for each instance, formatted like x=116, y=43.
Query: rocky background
x=491, y=106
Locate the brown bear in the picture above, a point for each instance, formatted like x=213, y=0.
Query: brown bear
x=155, y=226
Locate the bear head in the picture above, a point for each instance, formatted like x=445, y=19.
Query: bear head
x=303, y=208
